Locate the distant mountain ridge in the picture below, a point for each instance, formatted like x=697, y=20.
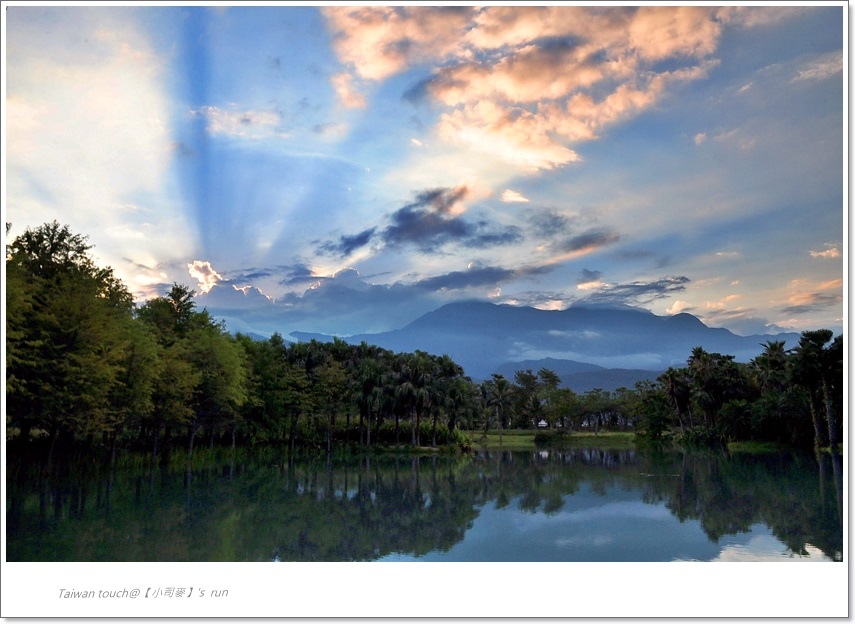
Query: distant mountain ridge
x=579, y=376
x=483, y=336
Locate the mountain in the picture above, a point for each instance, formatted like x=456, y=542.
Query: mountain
x=482, y=336
x=581, y=377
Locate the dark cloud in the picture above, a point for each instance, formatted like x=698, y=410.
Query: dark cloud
x=478, y=277
x=589, y=276
x=137, y=264
x=249, y=275
x=813, y=302
x=638, y=293
x=348, y=244
x=428, y=223
x=418, y=92
x=456, y=280
x=549, y=223
x=483, y=238
x=591, y=239
x=297, y=274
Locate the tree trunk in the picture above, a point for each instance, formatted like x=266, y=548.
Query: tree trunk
x=501, y=425
x=368, y=430
x=292, y=435
x=154, y=445
x=347, y=428
x=193, y=429
x=54, y=438
x=829, y=417
x=817, y=426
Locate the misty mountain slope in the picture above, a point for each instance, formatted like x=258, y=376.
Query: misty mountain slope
x=579, y=376
x=482, y=336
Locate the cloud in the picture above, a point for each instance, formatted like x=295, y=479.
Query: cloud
x=679, y=306
x=435, y=219
x=87, y=134
x=740, y=319
x=243, y=124
x=590, y=280
x=523, y=83
x=204, y=273
x=805, y=303
x=478, y=276
x=346, y=245
x=510, y=196
x=587, y=242
x=638, y=293
x=549, y=223
x=378, y=42
x=820, y=68
x=831, y=251
x=700, y=137
x=348, y=95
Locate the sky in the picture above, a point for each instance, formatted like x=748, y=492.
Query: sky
x=347, y=169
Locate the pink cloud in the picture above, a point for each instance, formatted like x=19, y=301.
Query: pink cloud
x=526, y=82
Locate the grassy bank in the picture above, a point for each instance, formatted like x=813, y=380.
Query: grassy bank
x=524, y=440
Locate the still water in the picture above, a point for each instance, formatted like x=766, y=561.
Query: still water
x=546, y=505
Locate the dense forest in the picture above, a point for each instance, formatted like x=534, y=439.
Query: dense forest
x=86, y=365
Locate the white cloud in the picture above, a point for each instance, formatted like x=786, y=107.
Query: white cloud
x=87, y=134
x=679, y=306
x=246, y=124
x=347, y=93
x=593, y=285
x=822, y=67
x=202, y=271
x=700, y=137
x=510, y=196
x=831, y=252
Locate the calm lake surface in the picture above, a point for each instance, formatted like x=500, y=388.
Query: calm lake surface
x=547, y=505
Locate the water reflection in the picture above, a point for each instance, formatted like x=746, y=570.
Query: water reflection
x=564, y=505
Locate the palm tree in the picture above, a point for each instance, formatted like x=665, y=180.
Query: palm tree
x=676, y=384
x=500, y=397
x=814, y=367
x=770, y=367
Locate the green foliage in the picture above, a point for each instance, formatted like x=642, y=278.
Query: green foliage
x=82, y=361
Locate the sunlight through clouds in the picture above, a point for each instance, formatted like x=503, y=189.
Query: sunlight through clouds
x=656, y=156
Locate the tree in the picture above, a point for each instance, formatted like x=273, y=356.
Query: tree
x=819, y=370
x=221, y=391
x=67, y=333
x=500, y=397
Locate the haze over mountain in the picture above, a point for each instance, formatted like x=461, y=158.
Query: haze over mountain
x=484, y=337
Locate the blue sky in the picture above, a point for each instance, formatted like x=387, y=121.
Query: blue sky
x=347, y=169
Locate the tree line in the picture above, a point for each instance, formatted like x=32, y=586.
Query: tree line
x=85, y=363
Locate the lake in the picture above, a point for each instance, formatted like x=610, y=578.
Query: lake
x=574, y=505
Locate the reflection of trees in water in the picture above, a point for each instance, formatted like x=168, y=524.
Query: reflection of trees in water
x=730, y=494
x=370, y=507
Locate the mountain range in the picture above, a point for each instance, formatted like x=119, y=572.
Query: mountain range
x=580, y=341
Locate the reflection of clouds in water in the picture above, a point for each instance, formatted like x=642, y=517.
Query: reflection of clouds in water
x=593, y=514
x=583, y=540
x=768, y=548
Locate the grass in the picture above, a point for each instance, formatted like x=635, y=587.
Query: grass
x=751, y=446
x=523, y=440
